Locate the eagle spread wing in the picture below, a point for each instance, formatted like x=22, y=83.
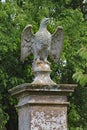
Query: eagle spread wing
x=57, y=43
x=26, y=42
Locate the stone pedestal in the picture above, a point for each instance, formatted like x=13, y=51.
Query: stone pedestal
x=42, y=107
x=41, y=71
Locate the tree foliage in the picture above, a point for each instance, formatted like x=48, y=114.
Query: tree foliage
x=3, y=119
x=14, y=16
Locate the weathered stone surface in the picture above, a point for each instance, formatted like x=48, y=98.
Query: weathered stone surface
x=24, y=118
x=42, y=107
x=32, y=88
x=48, y=118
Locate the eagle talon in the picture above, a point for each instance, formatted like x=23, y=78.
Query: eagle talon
x=47, y=62
x=38, y=61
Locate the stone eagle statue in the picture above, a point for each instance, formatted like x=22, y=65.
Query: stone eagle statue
x=42, y=43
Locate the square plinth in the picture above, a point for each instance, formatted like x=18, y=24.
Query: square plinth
x=42, y=112
x=42, y=107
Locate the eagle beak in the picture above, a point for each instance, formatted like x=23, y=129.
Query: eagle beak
x=47, y=20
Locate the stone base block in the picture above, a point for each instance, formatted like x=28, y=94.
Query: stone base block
x=42, y=107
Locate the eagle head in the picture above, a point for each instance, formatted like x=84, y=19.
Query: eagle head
x=44, y=22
